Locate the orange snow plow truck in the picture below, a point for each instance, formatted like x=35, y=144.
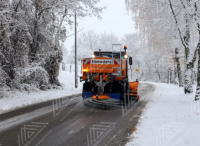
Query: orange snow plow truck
x=105, y=76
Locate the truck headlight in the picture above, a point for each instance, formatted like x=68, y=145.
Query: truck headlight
x=93, y=56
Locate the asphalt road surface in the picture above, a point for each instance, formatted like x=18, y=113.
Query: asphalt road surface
x=69, y=122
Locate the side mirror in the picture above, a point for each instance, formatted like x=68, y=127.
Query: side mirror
x=130, y=61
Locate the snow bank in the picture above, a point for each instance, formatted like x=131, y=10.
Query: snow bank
x=171, y=118
x=16, y=99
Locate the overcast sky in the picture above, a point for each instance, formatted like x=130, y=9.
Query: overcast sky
x=114, y=20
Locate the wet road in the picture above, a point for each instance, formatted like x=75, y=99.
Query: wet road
x=69, y=122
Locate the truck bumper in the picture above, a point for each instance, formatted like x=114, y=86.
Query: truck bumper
x=86, y=95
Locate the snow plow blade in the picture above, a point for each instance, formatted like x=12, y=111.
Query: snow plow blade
x=133, y=86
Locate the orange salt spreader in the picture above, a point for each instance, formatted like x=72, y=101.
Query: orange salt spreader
x=105, y=76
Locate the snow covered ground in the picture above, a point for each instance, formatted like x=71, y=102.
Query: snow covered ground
x=18, y=99
x=171, y=118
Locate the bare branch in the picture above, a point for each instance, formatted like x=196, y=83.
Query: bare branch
x=177, y=25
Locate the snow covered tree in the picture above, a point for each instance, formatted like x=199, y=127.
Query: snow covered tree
x=89, y=41
x=179, y=71
x=197, y=95
x=6, y=50
x=187, y=25
x=106, y=41
x=31, y=36
x=168, y=25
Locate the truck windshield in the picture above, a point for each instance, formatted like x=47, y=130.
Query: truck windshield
x=109, y=54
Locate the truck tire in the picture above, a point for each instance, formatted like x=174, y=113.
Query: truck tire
x=124, y=96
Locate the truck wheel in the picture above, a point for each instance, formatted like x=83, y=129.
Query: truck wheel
x=125, y=99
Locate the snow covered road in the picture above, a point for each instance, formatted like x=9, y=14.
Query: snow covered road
x=171, y=118
x=67, y=122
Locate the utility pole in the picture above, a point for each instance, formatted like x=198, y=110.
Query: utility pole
x=76, y=77
x=75, y=49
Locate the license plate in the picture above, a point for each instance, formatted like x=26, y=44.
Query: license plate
x=102, y=61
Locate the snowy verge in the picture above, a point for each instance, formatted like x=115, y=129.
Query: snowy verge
x=17, y=99
x=171, y=118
